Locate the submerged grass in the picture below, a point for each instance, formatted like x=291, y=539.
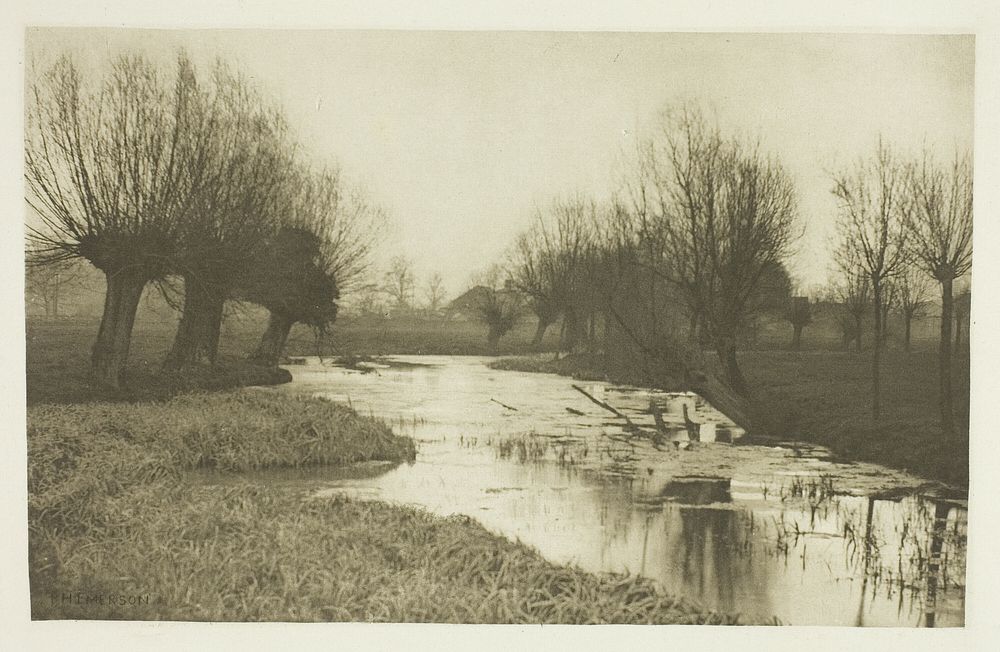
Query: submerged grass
x=824, y=397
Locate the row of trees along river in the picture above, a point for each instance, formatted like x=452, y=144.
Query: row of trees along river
x=693, y=249
x=194, y=182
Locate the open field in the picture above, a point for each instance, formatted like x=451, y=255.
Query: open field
x=58, y=352
x=119, y=531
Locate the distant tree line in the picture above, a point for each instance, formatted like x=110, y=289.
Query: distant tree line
x=691, y=249
x=691, y=252
x=905, y=225
x=192, y=182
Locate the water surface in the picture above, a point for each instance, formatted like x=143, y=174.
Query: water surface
x=768, y=531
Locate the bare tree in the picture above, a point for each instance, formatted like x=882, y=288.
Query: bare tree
x=434, y=291
x=851, y=294
x=871, y=199
x=400, y=281
x=113, y=171
x=323, y=250
x=497, y=305
x=295, y=285
x=48, y=282
x=530, y=273
x=551, y=265
x=939, y=217
x=725, y=216
x=250, y=163
x=912, y=290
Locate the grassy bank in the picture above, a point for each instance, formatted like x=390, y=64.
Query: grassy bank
x=117, y=531
x=825, y=397
x=58, y=366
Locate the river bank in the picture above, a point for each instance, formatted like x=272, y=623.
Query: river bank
x=823, y=397
x=118, y=530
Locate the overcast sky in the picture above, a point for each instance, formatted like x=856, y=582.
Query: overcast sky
x=460, y=135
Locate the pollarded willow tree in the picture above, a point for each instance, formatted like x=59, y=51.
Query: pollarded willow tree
x=497, y=305
x=551, y=263
x=939, y=221
x=871, y=200
x=322, y=249
x=114, y=169
x=724, y=216
x=249, y=162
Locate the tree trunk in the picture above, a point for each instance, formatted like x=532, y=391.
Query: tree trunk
x=725, y=348
x=944, y=358
x=797, y=336
x=857, y=333
x=493, y=341
x=877, y=351
x=907, y=319
x=608, y=335
x=272, y=342
x=571, y=331
x=197, y=337
x=592, y=333
x=536, y=341
x=110, y=352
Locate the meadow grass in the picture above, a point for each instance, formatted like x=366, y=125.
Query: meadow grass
x=253, y=553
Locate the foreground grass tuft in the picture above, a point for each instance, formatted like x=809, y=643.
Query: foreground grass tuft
x=251, y=553
x=80, y=456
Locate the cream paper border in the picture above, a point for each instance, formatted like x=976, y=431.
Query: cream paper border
x=980, y=17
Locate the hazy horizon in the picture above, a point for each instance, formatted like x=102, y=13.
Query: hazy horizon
x=462, y=135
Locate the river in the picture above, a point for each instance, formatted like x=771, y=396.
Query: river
x=785, y=531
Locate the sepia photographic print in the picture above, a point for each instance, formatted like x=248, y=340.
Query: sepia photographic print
x=499, y=326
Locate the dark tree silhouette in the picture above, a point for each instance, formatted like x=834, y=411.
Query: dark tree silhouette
x=295, y=284
x=871, y=199
x=724, y=216
x=939, y=221
x=114, y=171
x=323, y=250
x=434, y=291
x=799, y=314
x=851, y=294
x=250, y=164
x=400, y=281
x=550, y=264
x=496, y=305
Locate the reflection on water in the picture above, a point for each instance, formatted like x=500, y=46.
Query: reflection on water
x=764, y=531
